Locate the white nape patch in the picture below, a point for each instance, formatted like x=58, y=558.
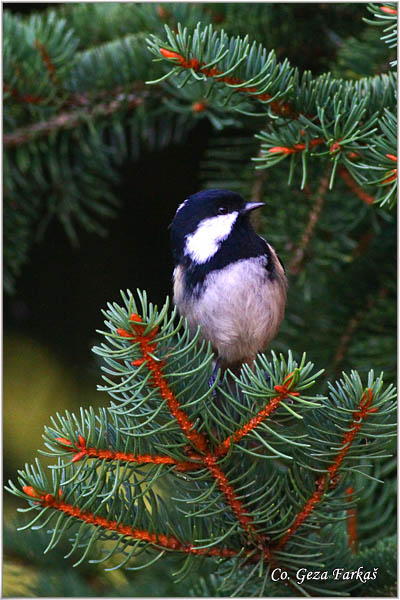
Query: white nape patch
x=181, y=206
x=202, y=244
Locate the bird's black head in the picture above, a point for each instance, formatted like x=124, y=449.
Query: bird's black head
x=205, y=220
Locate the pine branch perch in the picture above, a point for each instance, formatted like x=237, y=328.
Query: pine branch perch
x=70, y=120
x=151, y=355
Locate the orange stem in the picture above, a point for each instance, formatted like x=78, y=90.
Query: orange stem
x=27, y=98
x=296, y=147
x=284, y=392
x=298, y=256
x=278, y=107
x=392, y=177
x=81, y=450
x=358, y=417
x=46, y=59
x=199, y=441
x=169, y=542
x=353, y=185
x=147, y=346
x=351, y=522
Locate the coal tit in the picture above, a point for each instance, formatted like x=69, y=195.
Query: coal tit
x=227, y=279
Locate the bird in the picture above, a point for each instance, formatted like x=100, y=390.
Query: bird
x=227, y=279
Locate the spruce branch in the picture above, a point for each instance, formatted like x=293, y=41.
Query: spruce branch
x=121, y=100
x=298, y=256
x=379, y=159
x=56, y=105
x=344, y=116
x=259, y=77
x=247, y=68
x=52, y=91
x=352, y=184
x=164, y=430
x=43, y=46
x=322, y=482
x=385, y=16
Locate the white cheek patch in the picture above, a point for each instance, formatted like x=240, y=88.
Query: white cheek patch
x=202, y=244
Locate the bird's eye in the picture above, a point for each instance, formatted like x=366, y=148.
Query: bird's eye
x=222, y=210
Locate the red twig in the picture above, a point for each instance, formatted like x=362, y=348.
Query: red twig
x=199, y=106
x=70, y=119
x=353, y=185
x=208, y=459
x=278, y=107
x=298, y=256
x=284, y=391
x=158, y=539
x=305, y=512
x=320, y=485
x=358, y=417
x=162, y=13
x=199, y=441
x=25, y=98
x=236, y=505
x=393, y=172
x=296, y=148
x=147, y=347
x=392, y=177
x=346, y=337
x=388, y=10
x=80, y=450
x=351, y=522
x=47, y=60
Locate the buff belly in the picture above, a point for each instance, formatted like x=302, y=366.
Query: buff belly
x=239, y=310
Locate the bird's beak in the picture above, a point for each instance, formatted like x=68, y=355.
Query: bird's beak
x=251, y=206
